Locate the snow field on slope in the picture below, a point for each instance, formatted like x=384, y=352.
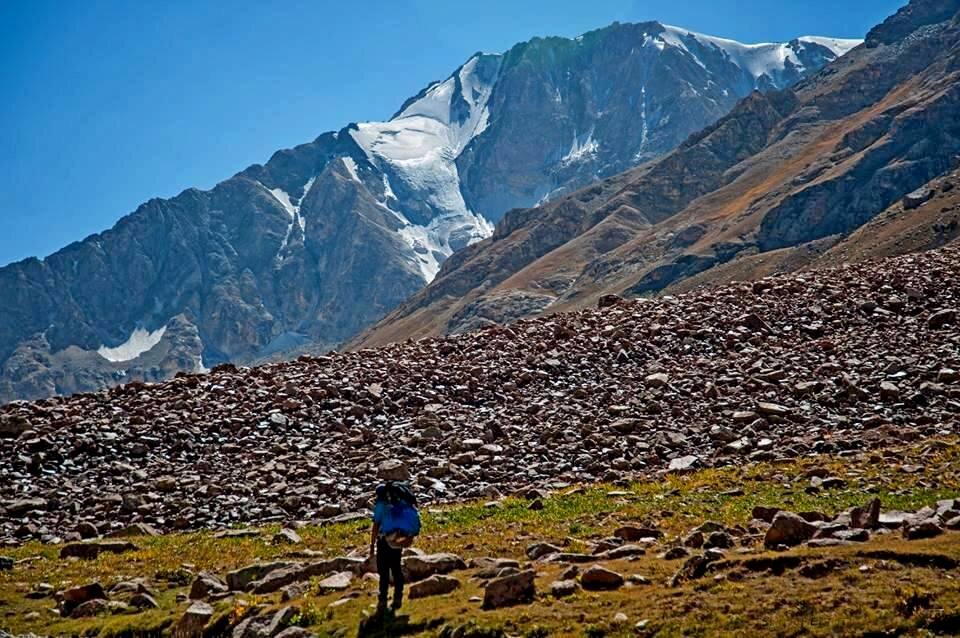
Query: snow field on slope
x=140, y=341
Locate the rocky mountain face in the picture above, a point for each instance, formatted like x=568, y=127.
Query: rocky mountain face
x=302, y=253
x=830, y=361
x=782, y=178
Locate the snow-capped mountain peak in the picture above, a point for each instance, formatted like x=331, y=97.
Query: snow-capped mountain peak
x=419, y=152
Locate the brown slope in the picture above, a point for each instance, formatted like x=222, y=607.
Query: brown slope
x=902, y=228
x=835, y=360
x=841, y=149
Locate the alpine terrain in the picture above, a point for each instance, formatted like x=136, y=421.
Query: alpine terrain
x=819, y=173
x=302, y=253
x=695, y=383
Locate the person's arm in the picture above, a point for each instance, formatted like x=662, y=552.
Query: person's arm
x=374, y=532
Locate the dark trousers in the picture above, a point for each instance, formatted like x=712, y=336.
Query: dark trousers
x=388, y=562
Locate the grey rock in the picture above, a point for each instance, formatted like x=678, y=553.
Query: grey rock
x=240, y=579
x=916, y=530
x=539, y=550
x=436, y=585
x=335, y=582
x=515, y=589
x=206, y=584
x=596, y=578
x=420, y=567
x=194, y=619
x=788, y=529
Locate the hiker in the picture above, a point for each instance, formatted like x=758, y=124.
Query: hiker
x=396, y=524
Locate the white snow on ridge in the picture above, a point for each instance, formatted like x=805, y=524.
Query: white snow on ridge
x=140, y=341
x=766, y=58
x=839, y=46
x=430, y=243
x=306, y=189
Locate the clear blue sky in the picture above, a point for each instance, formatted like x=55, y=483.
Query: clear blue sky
x=105, y=104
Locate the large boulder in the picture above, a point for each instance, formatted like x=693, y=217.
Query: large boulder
x=205, y=585
x=420, y=567
x=491, y=567
x=916, y=530
x=562, y=588
x=21, y=506
x=335, y=582
x=73, y=597
x=596, y=578
x=436, y=585
x=240, y=579
x=867, y=517
x=788, y=529
x=193, y=621
x=539, y=550
x=515, y=589
x=393, y=470
x=684, y=464
x=93, y=607
x=296, y=572
x=917, y=198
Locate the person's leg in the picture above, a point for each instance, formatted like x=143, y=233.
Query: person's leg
x=384, y=559
x=397, y=568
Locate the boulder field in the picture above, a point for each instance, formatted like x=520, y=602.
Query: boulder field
x=826, y=361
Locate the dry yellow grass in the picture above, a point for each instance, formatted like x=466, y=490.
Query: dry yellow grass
x=862, y=594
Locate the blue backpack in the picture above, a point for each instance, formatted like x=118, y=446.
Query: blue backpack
x=402, y=521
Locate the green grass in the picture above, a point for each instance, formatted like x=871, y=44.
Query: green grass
x=751, y=605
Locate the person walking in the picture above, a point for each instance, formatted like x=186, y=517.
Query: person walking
x=396, y=523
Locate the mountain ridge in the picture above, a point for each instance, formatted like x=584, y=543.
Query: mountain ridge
x=784, y=168
x=325, y=238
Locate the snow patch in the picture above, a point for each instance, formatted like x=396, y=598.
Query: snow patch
x=419, y=147
x=306, y=189
x=430, y=244
x=351, y=165
x=579, y=151
x=140, y=341
x=839, y=46
x=387, y=189
x=293, y=210
x=284, y=198
x=644, y=125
